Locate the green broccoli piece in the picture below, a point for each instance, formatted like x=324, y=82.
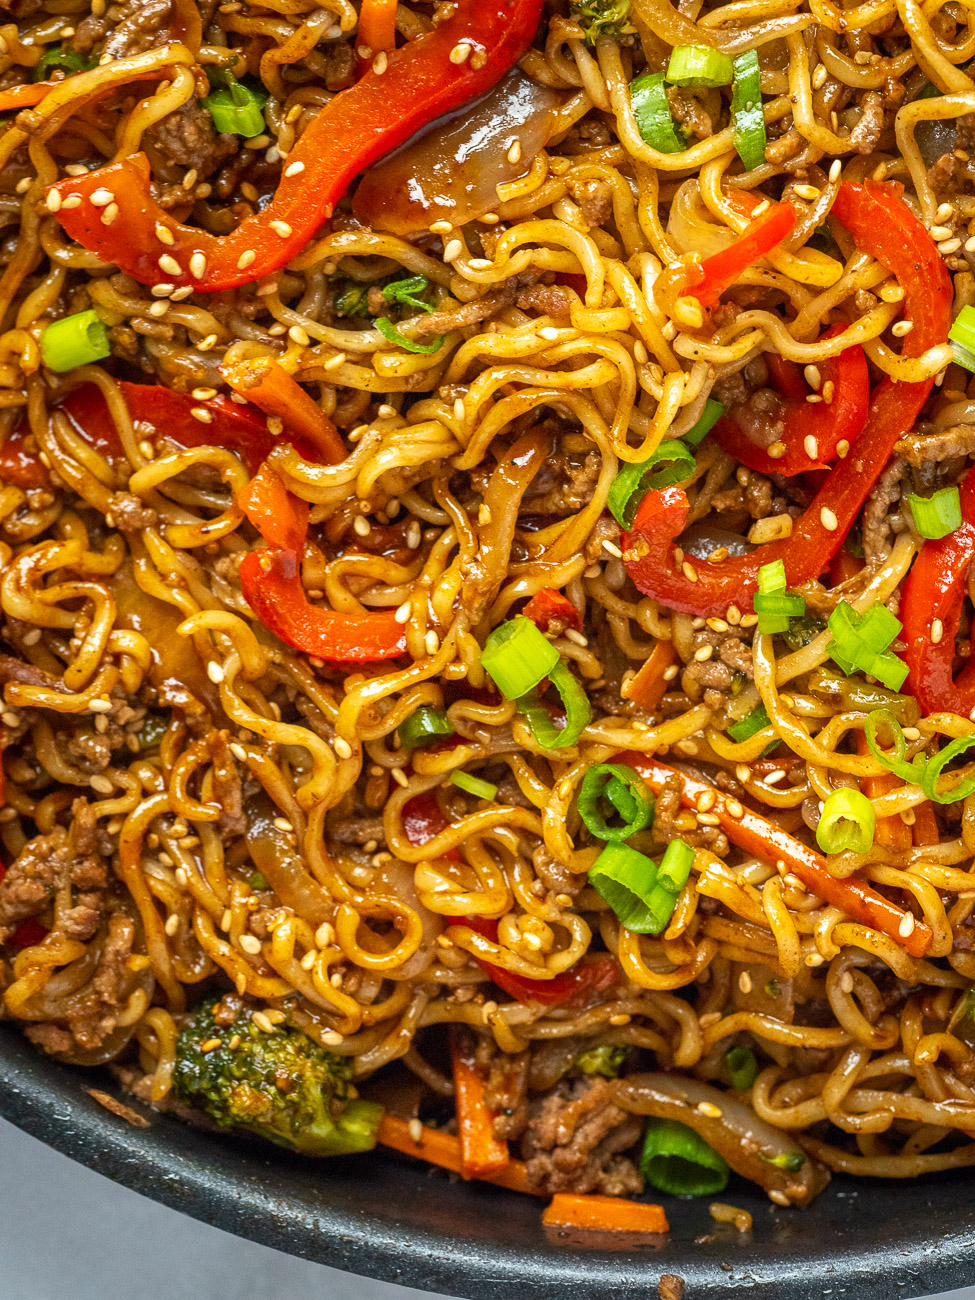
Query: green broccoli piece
x=605, y=1060
x=279, y=1085
x=601, y=18
x=353, y=300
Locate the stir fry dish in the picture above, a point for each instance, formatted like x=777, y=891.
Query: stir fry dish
x=487, y=511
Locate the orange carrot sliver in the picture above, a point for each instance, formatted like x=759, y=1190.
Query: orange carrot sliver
x=608, y=1213
x=25, y=96
x=377, y=25
x=481, y=1152
x=443, y=1150
x=267, y=384
x=925, y=828
x=891, y=831
x=756, y=834
x=647, y=688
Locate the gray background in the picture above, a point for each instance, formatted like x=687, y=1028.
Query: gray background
x=69, y=1234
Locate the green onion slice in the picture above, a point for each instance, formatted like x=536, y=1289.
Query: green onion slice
x=771, y=577
x=961, y=336
x=847, y=824
x=578, y=710
x=938, y=515
x=74, y=341
x=935, y=766
x=747, y=114
x=633, y=481
x=57, y=57
x=625, y=790
x=473, y=785
x=861, y=641
x=407, y=291
x=517, y=657
x=775, y=608
x=389, y=331
x=675, y=866
x=709, y=417
x=742, y=1067
x=750, y=724
x=661, y=902
x=424, y=726
x=625, y=879
x=895, y=760
x=236, y=109
x=699, y=65
x=678, y=1161
x=652, y=112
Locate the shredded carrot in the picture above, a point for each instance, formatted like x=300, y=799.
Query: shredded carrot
x=609, y=1213
x=647, y=688
x=756, y=834
x=443, y=1150
x=891, y=831
x=925, y=828
x=481, y=1152
x=32, y=92
x=377, y=25
x=267, y=384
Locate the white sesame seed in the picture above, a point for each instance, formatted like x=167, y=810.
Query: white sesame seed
x=548, y=332
x=613, y=549
x=970, y=245
x=949, y=246
x=172, y=924
x=808, y=192
x=400, y=777
x=103, y=784
x=164, y=234
x=333, y=363
x=294, y=169
x=72, y=201
x=246, y=259
x=811, y=446
x=431, y=642
x=940, y=232
x=836, y=167
x=162, y=290
x=937, y=631
x=813, y=378
x=460, y=53
x=239, y=752
x=297, y=335
x=842, y=449
x=777, y=450
x=102, y=198
x=709, y=1109
x=514, y=153
x=380, y=63
x=250, y=943
x=402, y=615
x=342, y=748
x=202, y=414
x=100, y=706
x=280, y=228
x=324, y=935
x=331, y=1037
x=110, y=213
x=361, y=526
x=901, y=327
x=53, y=201
x=945, y=212
x=829, y=520
x=260, y=1019
x=441, y=227
x=906, y=927
x=198, y=265
x=452, y=250
x=215, y=672
x=169, y=264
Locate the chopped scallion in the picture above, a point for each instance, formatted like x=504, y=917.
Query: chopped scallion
x=938, y=515
x=847, y=823
x=389, y=331
x=678, y=1161
x=58, y=57
x=74, y=341
x=656, y=125
x=578, y=710
x=236, y=109
x=747, y=114
x=424, y=726
x=750, y=724
x=860, y=641
x=741, y=1066
x=935, y=766
x=625, y=879
x=473, y=785
x=517, y=657
x=625, y=791
x=709, y=417
x=632, y=482
x=961, y=336
x=771, y=603
x=894, y=760
x=699, y=65
x=675, y=866
x=407, y=291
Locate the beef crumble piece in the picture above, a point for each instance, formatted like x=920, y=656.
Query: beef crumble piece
x=185, y=140
x=574, y=1140
x=506, y=1090
x=45, y=865
x=668, y=822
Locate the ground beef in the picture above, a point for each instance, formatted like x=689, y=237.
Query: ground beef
x=471, y=313
x=870, y=127
x=554, y=875
x=129, y=514
x=595, y=200
x=227, y=788
x=45, y=865
x=184, y=140
x=134, y=26
x=548, y=299
x=666, y=827
x=689, y=113
x=574, y=1139
x=506, y=1091
x=732, y=653
x=358, y=830
x=564, y=484
x=920, y=449
x=877, y=511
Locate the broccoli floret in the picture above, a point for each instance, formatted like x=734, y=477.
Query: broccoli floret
x=601, y=18
x=280, y=1085
x=605, y=1060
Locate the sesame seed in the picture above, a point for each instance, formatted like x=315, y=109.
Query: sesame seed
x=452, y=250
x=297, y=335
x=828, y=519
x=774, y=778
x=402, y=615
x=157, y=309
x=53, y=201
x=308, y=961
x=460, y=53
x=842, y=449
x=72, y=201
x=901, y=328
x=945, y=212
x=514, y=153
x=250, y=943
x=829, y=389
x=703, y=653
x=400, y=777
x=690, y=573
x=813, y=377
x=937, y=631
x=380, y=63
x=361, y=526
x=162, y=290
x=743, y=773
x=431, y=642
x=342, y=748
x=734, y=809
x=549, y=332
x=103, y=784
x=239, y=752
x=808, y=192
x=836, y=167
x=260, y=1019
x=324, y=935
x=745, y=982
x=709, y=1109
x=613, y=549
x=846, y=982
x=102, y=198
x=814, y=959
x=334, y=362
x=970, y=245
x=100, y=706
x=294, y=169
x=761, y=207
x=202, y=414
x=331, y=1037
x=198, y=265
x=810, y=446
x=209, y=1044
x=777, y=450
x=671, y=672
x=215, y=672
x=172, y=924
x=708, y=819
x=169, y=264
x=164, y=234
x=246, y=259
x=949, y=246
x=206, y=344
x=940, y=232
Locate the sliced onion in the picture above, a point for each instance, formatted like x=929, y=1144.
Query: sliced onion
x=395, y=878
x=691, y=226
x=281, y=866
x=452, y=169
x=747, y=1143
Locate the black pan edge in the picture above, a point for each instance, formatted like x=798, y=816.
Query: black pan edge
x=388, y=1218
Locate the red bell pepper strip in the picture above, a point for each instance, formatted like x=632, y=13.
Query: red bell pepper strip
x=30, y=931
x=271, y=584
x=355, y=128
x=547, y=606
x=761, y=837
x=422, y=820
x=882, y=225
x=267, y=384
x=828, y=424
x=935, y=589
x=377, y=25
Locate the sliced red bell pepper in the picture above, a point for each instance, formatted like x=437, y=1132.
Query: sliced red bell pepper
x=935, y=590
x=271, y=584
x=828, y=424
x=882, y=225
x=547, y=606
x=356, y=127
x=30, y=931
x=422, y=820
x=267, y=384
x=377, y=25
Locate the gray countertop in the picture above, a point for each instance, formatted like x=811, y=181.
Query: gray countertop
x=60, y=1221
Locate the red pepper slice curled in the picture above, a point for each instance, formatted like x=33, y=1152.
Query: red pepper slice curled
x=355, y=128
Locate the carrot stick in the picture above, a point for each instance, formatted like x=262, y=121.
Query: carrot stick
x=377, y=25
x=891, y=831
x=32, y=92
x=647, y=688
x=925, y=828
x=609, y=1213
x=756, y=834
x=481, y=1153
x=269, y=386
x=443, y=1150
